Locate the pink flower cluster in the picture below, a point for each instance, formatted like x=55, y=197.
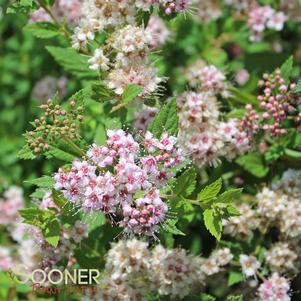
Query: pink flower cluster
x=121, y=176
x=275, y=288
x=278, y=102
x=261, y=18
x=61, y=9
x=10, y=204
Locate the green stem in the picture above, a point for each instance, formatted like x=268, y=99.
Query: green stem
x=193, y=202
x=55, y=20
x=74, y=146
x=260, y=276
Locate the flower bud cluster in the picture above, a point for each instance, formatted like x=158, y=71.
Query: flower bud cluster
x=132, y=271
x=202, y=135
x=278, y=104
x=55, y=123
x=261, y=18
x=124, y=176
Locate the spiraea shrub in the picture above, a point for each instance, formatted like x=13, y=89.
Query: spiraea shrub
x=161, y=147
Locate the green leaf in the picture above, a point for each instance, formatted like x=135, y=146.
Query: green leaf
x=101, y=93
x=51, y=232
x=232, y=211
x=235, y=298
x=210, y=191
x=59, y=154
x=242, y=97
x=81, y=96
x=287, y=68
x=292, y=154
x=229, y=195
x=21, y=7
x=170, y=226
x=216, y=56
x=44, y=182
x=166, y=120
x=38, y=194
x=237, y=113
x=35, y=216
x=185, y=183
x=100, y=136
x=26, y=153
x=130, y=93
x=297, y=141
x=253, y=163
x=213, y=222
x=94, y=220
x=43, y=30
x=58, y=198
x=235, y=277
x=72, y=61
x=206, y=297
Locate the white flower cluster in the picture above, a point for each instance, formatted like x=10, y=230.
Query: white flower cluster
x=241, y=226
x=280, y=210
x=218, y=259
x=249, y=265
x=131, y=63
x=290, y=183
x=281, y=258
x=207, y=79
x=274, y=210
x=202, y=135
x=132, y=271
x=98, y=15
